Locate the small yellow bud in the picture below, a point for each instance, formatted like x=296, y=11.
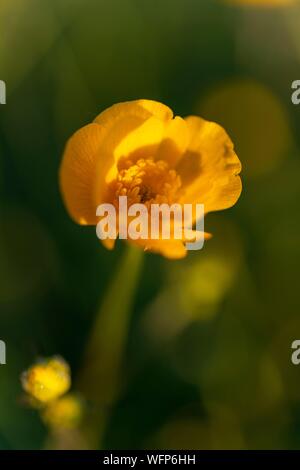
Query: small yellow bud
x=47, y=379
x=63, y=413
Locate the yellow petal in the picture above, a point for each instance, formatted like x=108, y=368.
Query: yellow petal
x=143, y=140
x=130, y=138
x=210, y=167
x=109, y=243
x=141, y=109
x=91, y=153
x=193, y=234
x=175, y=141
x=77, y=173
x=125, y=126
x=171, y=249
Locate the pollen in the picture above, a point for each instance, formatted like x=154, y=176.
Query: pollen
x=146, y=182
x=47, y=380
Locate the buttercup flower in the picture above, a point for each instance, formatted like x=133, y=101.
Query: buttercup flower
x=64, y=413
x=138, y=149
x=47, y=380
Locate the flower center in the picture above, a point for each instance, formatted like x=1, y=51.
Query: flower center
x=146, y=182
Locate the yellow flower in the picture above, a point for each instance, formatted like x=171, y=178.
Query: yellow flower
x=47, y=379
x=140, y=150
x=63, y=413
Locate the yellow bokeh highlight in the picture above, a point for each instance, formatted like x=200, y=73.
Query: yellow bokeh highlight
x=262, y=3
x=256, y=120
x=63, y=413
x=195, y=288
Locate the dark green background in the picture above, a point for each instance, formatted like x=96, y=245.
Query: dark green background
x=208, y=358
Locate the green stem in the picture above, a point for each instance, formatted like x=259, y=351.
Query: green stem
x=101, y=378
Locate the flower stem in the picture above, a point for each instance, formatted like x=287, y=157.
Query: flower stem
x=101, y=377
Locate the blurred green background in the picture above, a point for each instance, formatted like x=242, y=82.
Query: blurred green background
x=207, y=361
